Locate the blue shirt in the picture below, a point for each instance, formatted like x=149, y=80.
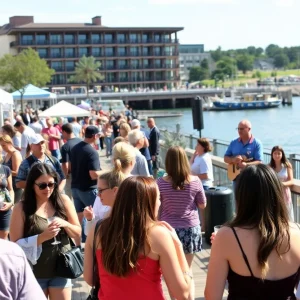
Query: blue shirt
x=252, y=150
x=25, y=168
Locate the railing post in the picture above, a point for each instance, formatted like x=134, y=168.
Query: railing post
x=293, y=163
x=214, y=144
x=191, y=141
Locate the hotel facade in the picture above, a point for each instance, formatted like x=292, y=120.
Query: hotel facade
x=130, y=57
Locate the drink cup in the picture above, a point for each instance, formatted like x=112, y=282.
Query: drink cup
x=217, y=228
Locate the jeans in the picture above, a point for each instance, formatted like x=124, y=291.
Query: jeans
x=149, y=162
x=108, y=143
x=55, y=153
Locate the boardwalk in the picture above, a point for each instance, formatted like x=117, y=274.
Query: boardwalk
x=81, y=289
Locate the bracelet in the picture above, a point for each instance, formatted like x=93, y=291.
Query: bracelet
x=188, y=274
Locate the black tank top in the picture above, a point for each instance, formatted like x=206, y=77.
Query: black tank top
x=253, y=288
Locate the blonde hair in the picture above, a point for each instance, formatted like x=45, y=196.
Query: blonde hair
x=123, y=155
x=6, y=139
x=113, y=178
x=125, y=127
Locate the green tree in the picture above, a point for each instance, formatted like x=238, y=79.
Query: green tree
x=259, y=51
x=195, y=74
x=204, y=64
x=251, y=50
x=87, y=71
x=245, y=63
x=281, y=60
x=272, y=50
x=217, y=54
x=20, y=70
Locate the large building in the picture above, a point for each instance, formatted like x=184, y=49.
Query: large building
x=130, y=57
x=191, y=56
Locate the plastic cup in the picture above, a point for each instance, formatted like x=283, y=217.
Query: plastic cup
x=217, y=228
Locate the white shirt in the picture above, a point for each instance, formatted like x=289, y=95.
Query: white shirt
x=37, y=127
x=26, y=135
x=203, y=165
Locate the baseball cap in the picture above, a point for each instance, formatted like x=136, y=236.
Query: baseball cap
x=90, y=131
x=135, y=123
x=36, y=139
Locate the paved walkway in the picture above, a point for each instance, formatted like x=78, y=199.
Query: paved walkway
x=200, y=263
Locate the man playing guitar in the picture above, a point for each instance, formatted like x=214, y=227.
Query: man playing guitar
x=245, y=150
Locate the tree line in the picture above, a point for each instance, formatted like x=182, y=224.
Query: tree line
x=229, y=62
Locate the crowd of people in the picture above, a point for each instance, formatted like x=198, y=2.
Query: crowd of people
x=138, y=228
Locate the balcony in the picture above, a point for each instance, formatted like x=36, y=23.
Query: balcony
x=70, y=42
x=42, y=42
x=124, y=79
x=83, y=41
x=70, y=55
x=56, y=42
x=96, y=41
x=56, y=55
x=124, y=67
x=70, y=69
x=26, y=43
x=58, y=69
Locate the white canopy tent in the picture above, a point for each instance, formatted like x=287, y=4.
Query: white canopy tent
x=64, y=109
x=6, y=106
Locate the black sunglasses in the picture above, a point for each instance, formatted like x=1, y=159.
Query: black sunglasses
x=44, y=185
x=100, y=191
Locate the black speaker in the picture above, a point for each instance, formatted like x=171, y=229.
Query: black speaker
x=197, y=111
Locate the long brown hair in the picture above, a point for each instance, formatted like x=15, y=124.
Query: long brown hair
x=177, y=167
x=123, y=236
x=261, y=205
x=284, y=160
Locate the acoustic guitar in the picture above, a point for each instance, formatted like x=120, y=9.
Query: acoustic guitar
x=233, y=170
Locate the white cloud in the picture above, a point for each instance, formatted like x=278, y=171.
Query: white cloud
x=285, y=3
x=165, y=2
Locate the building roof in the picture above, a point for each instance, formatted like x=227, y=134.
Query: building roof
x=8, y=29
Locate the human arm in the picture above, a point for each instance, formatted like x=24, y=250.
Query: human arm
x=193, y=157
x=290, y=179
x=217, y=267
x=94, y=166
x=22, y=174
x=16, y=162
x=65, y=168
x=200, y=197
x=172, y=260
x=72, y=226
x=88, y=268
x=65, y=161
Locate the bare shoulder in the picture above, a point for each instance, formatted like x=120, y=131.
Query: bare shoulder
x=158, y=235
x=18, y=210
x=66, y=201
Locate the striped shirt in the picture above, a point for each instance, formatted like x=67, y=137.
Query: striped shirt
x=180, y=207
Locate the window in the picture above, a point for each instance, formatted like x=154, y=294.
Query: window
x=83, y=39
x=58, y=79
x=70, y=66
x=121, y=51
x=109, y=51
x=57, y=66
x=110, y=77
x=96, y=52
x=157, y=37
x=56, y=53
x=134, y=51
x=55, y=39
x=135, y=63
x=121, y=38
x=157, y=63
x=110, y=64
x=96, y=38
x=108, y=38
x=43, y=53
x=146, y=51
x=146, y=63
x=157, y=51
x=69, y=39
x=123, y=64
x=133, y=37
x=27, y=39
x=41, y=39
x=123, y=76
x=82, y=52
x=146, y=38
x=70, y=52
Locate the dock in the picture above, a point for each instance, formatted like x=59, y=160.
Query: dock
x=81, y=290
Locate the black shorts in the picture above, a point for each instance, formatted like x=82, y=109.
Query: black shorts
x=5, y=219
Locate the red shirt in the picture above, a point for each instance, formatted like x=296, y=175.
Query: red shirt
x=145, y=283
x=53, y=143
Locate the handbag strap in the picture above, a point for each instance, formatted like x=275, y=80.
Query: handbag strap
x=96, y=279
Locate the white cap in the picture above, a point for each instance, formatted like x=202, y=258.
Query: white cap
x=36, y=139
x=135, y=123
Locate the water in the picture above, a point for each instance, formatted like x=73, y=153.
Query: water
x=275, y=126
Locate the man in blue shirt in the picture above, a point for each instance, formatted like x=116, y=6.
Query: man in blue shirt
x=245, y=150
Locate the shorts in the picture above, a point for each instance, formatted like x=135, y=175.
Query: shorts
x=5, y=219
x=55, y=282
x=83, y=198
x=190, y=238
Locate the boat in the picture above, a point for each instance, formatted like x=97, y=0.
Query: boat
x=246, y=101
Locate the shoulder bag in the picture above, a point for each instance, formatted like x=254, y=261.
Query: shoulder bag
x=69, y=264
x=96, y=280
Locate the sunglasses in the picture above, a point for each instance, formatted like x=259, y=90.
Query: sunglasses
x=100, y=191
x=44, y=185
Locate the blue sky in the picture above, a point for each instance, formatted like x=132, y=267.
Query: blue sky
x=228, y=23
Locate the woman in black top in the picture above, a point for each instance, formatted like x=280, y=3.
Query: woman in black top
x=258, y=252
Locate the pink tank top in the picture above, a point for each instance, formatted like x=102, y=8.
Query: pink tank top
x=145, y=283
